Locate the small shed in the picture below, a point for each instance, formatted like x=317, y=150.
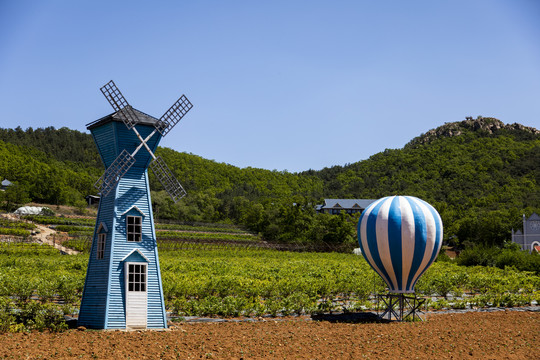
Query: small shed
x=92, y=199
x=5, y=184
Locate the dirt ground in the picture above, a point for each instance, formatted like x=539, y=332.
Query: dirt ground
x=473, y=335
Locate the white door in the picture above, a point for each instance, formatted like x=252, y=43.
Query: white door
x=136, y=295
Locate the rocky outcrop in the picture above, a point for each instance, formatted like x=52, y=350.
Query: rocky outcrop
x=485, y=125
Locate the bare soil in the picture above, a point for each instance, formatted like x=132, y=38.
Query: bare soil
x=473, y=335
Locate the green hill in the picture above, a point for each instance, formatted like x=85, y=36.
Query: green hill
x=480, y=174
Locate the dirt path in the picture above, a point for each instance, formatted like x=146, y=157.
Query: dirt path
x=497, y=335
x=44, y=235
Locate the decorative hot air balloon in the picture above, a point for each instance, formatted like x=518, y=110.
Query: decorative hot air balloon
x=400, y=237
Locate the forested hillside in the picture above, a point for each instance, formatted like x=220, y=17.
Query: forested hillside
x=481, y=175
x=43, y=178
x=62, y=144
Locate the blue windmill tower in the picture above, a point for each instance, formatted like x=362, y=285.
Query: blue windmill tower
x=123, y=282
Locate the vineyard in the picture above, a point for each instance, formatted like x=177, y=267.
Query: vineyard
x=38, y=285
x=14, y=228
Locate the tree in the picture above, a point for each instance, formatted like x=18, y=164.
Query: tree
x=14, y=196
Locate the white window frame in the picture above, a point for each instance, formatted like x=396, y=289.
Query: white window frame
x=133, y=229
x=139, y=284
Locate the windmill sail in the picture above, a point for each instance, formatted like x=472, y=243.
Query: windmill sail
x=115, y=172
x=173, y=115
x=167, y=179
x=130, y=117
x=120, y=104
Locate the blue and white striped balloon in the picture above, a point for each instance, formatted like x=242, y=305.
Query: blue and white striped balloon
x=400, y=237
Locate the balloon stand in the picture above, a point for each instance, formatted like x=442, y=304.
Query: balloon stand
x=400, y=307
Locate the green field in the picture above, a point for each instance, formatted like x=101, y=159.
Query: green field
x=243, y=282
x=170, y=236
x=38, y=285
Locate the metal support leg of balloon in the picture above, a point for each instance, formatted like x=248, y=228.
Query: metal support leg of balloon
x=400, y=307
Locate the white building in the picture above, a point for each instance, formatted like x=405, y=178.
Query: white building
x=529, y=238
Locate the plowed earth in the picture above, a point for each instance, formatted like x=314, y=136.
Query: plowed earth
x=496, y=335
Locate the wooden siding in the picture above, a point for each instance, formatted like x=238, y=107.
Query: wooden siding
x=105, y=139
x=156, y=321
x=132, y=191
x=94, y=301
x=103, y=304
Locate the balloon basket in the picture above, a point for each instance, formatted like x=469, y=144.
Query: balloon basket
x=400, y=307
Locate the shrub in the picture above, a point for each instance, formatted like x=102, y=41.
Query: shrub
x=14, y=232
x=501, y=258
x=37, y=316
x=31, y=315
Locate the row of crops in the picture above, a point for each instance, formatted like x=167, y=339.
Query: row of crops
x=272, y=282
x=172, y=236
x=16, y=228
x=69, y=224
x=80, y=231
x=242, y=282
x=38, y=286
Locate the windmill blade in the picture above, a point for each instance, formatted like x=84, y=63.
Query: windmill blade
x=115, y=172
x=167, y=179
x=120, y=104
x=173, y=115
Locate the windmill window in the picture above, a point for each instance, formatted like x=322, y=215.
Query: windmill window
x=101, y=246
x=137, y=277
x=134, y=228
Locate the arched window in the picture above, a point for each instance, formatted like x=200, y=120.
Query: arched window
x=101, y=241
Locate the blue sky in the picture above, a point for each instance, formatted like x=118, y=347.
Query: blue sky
x=287, y=85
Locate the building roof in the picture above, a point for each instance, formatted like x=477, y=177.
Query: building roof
x=133, y=256
x=346, y=203
x=134, y=207
x=6, y=182
x=534, y=216
x=144, y=119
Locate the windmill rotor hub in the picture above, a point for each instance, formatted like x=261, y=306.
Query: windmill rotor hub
x=125, y=160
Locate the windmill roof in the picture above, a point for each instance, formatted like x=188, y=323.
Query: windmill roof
x=144, y=119
x=347, y=203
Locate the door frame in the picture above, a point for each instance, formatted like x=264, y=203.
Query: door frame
x=131, y=295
